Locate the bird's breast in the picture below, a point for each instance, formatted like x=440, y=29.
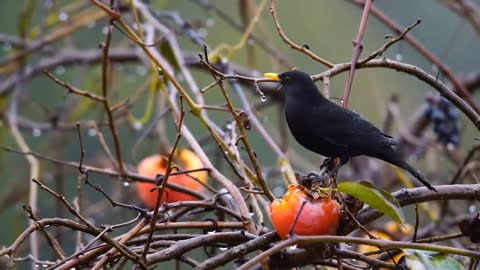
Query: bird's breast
x=306, y=128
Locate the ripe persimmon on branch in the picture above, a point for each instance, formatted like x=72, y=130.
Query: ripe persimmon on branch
x=155, y=141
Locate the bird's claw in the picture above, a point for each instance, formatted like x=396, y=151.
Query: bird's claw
x=332, y=174
x=325, y=164
x=328, y=168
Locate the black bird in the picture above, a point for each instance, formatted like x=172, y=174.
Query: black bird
x=328, y=129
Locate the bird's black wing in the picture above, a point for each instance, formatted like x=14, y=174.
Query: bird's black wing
x=351, y=130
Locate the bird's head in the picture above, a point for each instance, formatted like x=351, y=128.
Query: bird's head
x=294, y=83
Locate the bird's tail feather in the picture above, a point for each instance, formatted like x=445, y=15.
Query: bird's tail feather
x=394, y=158
x=417, y=174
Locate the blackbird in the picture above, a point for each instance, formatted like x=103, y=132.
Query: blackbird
x=328, y=129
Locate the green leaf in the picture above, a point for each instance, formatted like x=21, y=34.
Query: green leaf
x=375, y=197
x=443, y=261
x=422, y=259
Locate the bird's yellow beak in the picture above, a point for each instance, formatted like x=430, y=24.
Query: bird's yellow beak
x=272, y=76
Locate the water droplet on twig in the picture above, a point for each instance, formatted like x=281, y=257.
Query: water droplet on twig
x=7, y=46
x=63, y=16
x=210, y=22
x=141, y=70
x=60, y=70
x=36, y=132
x=137, y=125
x=92, y=132
x=263, y=98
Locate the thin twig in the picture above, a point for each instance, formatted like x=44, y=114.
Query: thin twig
x=82, y=150
x=390, y=42
x=467, y=160
x=417, y=223
x=109, y=172
x=380, y=243
x=243, y=133
x=161, y=186
x=126, y=237
x=357, y=50
x=122, y=249
x=291, y=44
x=457, y=83
x=295, y=220
x=52, y=241
x=33, y=162
x=74, y=90
x=348, y=254
x=417, y=72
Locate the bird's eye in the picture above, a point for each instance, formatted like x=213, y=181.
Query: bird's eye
x=287, y=79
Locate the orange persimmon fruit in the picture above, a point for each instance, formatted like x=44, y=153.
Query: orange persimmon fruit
x=156, y=164
x=318, y=217
x=392, y=231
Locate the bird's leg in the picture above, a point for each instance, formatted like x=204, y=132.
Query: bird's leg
x=325, y=164
x=333, y=168
x=329, y=169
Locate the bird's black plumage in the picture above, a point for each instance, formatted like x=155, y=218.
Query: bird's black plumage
x=332, y=131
